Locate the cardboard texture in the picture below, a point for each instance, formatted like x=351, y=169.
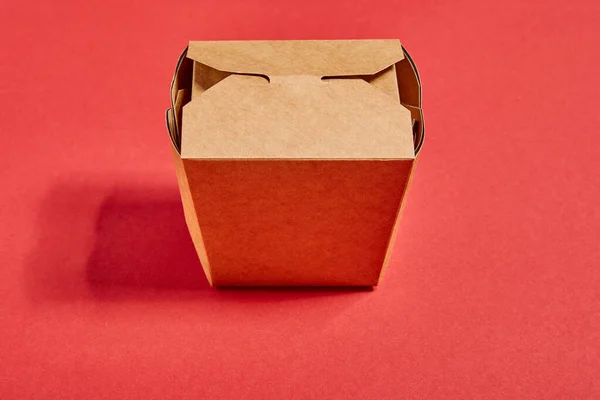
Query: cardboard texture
x=294, y=157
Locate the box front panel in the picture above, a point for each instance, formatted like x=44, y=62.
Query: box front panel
x=296, y=222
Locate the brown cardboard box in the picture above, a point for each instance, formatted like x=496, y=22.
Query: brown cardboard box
x=293, y=157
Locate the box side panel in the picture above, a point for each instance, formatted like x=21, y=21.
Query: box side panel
x=392, y=239
x=190, y=214
x=279, y=223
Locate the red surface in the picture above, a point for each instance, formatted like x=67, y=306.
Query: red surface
x=494, y=288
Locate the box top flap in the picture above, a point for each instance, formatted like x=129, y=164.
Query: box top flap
x=298, y=57
x=246, y=117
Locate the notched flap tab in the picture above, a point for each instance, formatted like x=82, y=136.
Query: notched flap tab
x=298, y=57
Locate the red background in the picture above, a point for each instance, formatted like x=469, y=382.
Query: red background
x=493, y=290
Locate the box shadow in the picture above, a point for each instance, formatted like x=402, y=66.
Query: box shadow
x=142, y=242
x=101, y=241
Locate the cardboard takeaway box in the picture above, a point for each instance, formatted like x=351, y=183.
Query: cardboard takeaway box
x=294, y=157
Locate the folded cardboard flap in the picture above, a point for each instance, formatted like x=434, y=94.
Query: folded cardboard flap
x=181, y=80
x=299, y=118
x=306, y=57
x=277, y=106
x=384, y=80
x=400, y=78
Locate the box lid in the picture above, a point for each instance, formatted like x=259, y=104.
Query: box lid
x=296, y=100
